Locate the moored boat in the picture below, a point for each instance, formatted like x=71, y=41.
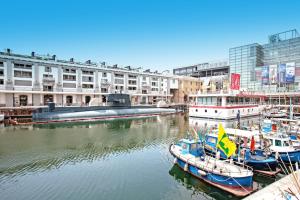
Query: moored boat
x=224, y=174
x=263, y=164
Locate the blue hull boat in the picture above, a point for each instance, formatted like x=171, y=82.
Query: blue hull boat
x=223, y=174
x=259, y=162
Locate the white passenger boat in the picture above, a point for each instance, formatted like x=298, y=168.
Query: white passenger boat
x=226, y=106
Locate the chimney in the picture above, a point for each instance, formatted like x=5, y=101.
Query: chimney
x=54, y=57
x=32, y=54
x=88, y=62
x=71, y=60
x=8, y=51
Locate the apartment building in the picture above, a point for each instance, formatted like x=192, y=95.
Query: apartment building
x=33, y=80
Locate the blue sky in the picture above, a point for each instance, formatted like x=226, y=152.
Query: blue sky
x=153, y=34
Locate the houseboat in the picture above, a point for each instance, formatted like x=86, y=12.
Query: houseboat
x=226, y=105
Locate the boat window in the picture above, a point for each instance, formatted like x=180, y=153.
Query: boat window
x=216, y=111
x=278, y=143
x=205, y=110
x=286, y=143
x=184, y=146
x=196, y=110
x=193, y=146
x=212, y=140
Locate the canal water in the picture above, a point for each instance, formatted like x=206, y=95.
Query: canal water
x=121, y=159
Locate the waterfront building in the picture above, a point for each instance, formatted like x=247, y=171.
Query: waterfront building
x=187, y=86
x=254, y=61
x=36, y=80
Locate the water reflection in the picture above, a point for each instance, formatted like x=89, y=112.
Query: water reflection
x=119, y=159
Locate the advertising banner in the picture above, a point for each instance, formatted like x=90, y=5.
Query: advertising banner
x=273, y=74
x=290, y=73
x=235, y=81
x=265, y=75
x=281, y=73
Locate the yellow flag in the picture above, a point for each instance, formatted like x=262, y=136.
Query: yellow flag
x=226, y=145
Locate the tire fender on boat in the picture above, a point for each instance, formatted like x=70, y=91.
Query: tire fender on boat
x=276, y=155
x=186, y=167
x=175, y=160
x=202, y=173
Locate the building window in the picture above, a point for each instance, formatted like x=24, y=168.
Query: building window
x=23, y=100
x=119, y=75
x=104, y=90
x=48, y=69
x=23, y=83
x=22, y=66
x=47, y=99
x=1, y=82
x=88, y=86
x=69, y=70
x=87, y=72
x=87, y=79
x=22, y=74
x=131, y=82
x=69, y=85
x=69, y=100
x=69, y=77
x=131, y=88
x=1, y=72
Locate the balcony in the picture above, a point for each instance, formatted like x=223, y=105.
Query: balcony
x=48, y=80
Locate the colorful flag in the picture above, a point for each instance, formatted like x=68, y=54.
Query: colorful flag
x=252, y=144
x=224, y=144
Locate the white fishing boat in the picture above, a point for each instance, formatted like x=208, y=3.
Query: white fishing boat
x=223, y=174
x=226, y=106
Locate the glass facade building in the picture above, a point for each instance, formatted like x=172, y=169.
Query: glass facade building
x=249, y=61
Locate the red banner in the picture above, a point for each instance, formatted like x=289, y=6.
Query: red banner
x=235, y=81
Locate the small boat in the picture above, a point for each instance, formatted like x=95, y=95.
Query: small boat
x=275, y=113
x=260, y=163
x=224, y=174
x=279, y=146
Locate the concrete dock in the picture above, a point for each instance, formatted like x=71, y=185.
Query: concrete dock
x=281, y=189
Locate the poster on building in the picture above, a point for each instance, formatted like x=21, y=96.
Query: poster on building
x=290, y=73
x=265, y=75
x=273, y=74
x=281, y=73
x=235, y=81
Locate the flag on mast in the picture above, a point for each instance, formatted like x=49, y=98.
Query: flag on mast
x=252, y=144
x=226, y=145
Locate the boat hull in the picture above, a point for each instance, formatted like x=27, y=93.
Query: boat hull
x=293, y=156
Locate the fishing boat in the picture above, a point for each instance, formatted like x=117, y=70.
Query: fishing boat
x=262, y=164
x=272, y=144
x=224, y=174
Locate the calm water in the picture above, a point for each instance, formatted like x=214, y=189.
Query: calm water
x=126, y=159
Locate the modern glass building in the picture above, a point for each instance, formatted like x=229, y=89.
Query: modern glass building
x=259, y=64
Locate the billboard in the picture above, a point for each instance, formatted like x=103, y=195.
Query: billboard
x=273, y=74
x=290, y=73
x=235, y=81
x=281, y=73
x=265, y=75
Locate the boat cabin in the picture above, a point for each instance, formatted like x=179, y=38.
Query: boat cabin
x=190, y=147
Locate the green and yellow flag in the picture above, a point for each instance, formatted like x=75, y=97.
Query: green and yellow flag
x=226, y=145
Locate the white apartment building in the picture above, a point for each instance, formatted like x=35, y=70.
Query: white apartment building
x=36, y=80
